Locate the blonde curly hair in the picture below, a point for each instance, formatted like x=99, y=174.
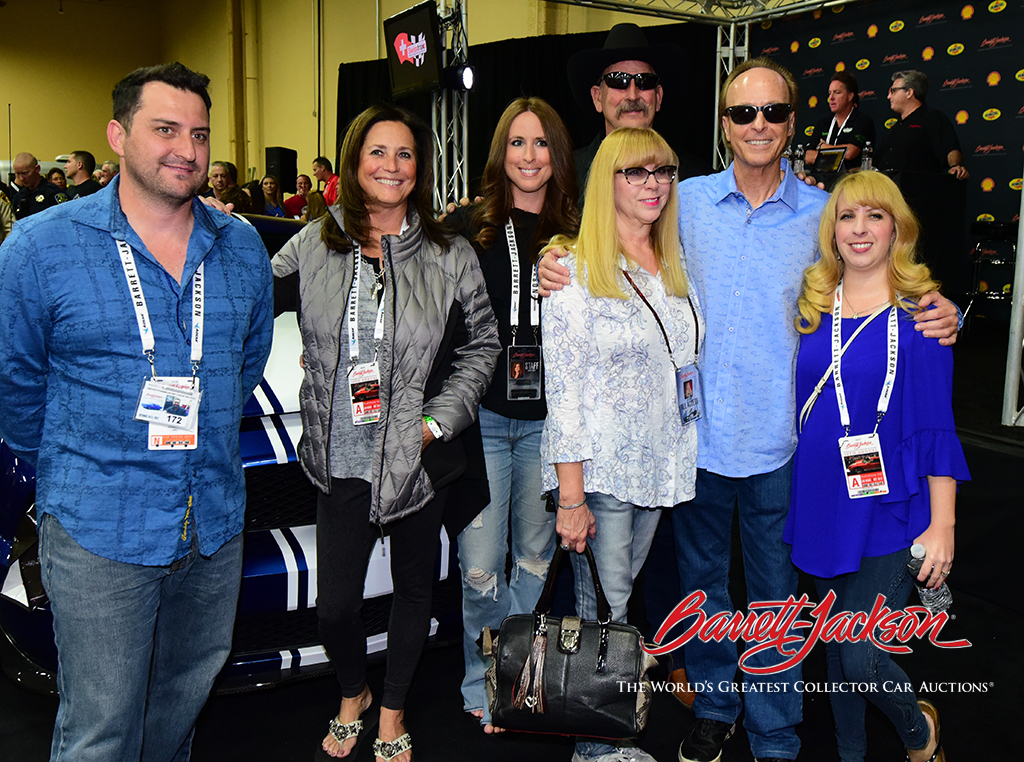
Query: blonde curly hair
x=909, y=277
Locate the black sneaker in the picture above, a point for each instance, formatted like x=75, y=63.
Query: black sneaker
x=704, y=741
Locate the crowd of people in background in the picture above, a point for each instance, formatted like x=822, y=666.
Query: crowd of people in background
x=664, y=265
x=29, y=190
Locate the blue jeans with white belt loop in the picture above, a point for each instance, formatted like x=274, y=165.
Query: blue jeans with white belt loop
x=138, y=647
x=517, y=507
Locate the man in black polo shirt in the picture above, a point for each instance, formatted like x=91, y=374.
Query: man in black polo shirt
x=36, y=194
x=846, y=125
x=79, y=168
x=923, y=140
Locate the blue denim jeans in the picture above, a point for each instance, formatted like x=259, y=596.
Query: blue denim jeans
x=703, y=530
x=512, y=455
x=624, y=536
x=138, y=647
x=865, y=664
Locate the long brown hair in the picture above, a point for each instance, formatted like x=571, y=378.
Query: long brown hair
x=559, y=213
x=351, y=198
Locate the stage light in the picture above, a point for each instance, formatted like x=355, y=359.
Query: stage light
x=459, y=77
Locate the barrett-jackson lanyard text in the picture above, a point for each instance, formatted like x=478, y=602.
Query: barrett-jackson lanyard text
x=696, y=324
x=353, y=314
x=142, y=313
x=513, y=257
x=890, y=368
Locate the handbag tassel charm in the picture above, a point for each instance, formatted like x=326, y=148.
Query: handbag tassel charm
x=529, y=691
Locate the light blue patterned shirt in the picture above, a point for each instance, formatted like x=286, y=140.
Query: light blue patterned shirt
x=611, y=391
x=747, y=267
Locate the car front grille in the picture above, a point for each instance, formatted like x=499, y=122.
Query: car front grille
x=278, y=495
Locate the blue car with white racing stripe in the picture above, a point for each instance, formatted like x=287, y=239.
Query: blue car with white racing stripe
x=275, y=637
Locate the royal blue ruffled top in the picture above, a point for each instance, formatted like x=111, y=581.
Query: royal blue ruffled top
x=829, y=532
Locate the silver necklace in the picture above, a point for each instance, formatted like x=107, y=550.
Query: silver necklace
x=858, y=313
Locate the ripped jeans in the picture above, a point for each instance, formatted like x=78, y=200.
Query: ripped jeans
x=512, y=454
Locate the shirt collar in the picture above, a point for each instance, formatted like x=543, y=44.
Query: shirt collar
x=102, y=210
x=786, y=192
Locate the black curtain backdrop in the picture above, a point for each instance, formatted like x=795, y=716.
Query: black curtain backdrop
x=536, y=66
x=972, y=55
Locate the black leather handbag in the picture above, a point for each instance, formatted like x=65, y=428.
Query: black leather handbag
x=567, y=675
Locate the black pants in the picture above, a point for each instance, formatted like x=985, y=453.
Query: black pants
x=344, y=540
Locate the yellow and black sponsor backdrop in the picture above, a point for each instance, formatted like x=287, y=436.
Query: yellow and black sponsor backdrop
x=973, y=54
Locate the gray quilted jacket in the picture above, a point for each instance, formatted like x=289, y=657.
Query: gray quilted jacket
x=424, y=282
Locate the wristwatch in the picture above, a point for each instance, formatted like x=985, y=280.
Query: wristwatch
x=434, y=428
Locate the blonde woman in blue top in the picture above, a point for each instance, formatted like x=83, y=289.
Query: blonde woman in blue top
x=871, y=481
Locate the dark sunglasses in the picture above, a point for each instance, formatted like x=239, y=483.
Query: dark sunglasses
x=619, y=80
x=640, y=175
x=776, y=113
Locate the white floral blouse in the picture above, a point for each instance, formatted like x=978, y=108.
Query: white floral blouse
x=611, y=390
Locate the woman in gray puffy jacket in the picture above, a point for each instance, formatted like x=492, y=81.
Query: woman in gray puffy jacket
x=399, y=344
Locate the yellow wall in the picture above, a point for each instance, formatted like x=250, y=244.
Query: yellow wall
x=60, y=99
x=57, y=83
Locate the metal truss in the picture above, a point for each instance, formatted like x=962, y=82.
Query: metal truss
x=732, y=49
x=707, y=11
x=450, y=114
x=1012, y=414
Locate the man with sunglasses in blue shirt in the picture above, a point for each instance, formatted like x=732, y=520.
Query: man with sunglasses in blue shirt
x=748, y=233
x=623, y=85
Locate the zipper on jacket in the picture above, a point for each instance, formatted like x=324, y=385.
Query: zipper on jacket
x=385, y=250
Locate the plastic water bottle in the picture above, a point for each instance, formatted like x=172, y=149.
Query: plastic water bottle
x=937, y=600
x=866, y=164
x=798, y=160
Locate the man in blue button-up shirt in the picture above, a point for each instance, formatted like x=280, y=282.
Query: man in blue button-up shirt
x=748, y=234
x=140, y=548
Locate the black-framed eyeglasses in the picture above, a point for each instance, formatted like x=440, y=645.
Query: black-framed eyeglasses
x=640, y=175
x=619, y=80
x=894, y=89
x=776, y=113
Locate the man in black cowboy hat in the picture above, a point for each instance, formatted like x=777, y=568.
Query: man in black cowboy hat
x=624, y=86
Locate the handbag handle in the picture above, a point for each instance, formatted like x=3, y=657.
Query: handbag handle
x=604, y=611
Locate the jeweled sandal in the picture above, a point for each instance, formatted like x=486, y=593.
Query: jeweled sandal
x=388, y=750
x=341, y=732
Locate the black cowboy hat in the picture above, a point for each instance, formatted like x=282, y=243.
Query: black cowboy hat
x=625, y=42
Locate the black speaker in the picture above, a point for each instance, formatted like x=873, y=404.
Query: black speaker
x=281, y=164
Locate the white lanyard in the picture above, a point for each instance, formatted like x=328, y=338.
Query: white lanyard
x=890, y=370
x=131, y=274
x=829, y=136
x=353, y=313
x=513, y=258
